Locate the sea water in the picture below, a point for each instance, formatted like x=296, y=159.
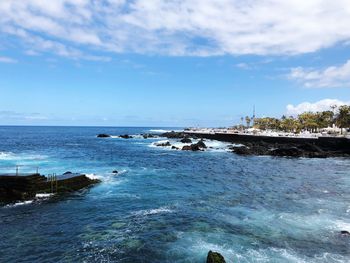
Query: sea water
x=171, y=206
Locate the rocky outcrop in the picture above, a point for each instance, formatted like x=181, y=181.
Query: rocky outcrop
x=103, y=135
x=174, y=135
x=186, y=140
x=215, y=257
x=163, y=144
x=21, y=188
x=283, y=145
x=149, y=135
x=345, y=233
x=293, y=150
x=126, y=136
x=199, y=146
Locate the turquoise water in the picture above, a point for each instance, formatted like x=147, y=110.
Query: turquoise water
x=171, y=206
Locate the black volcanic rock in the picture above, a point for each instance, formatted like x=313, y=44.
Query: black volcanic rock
x=149, y=135
x=115, y=172
x=201, y=144
x=192, y=147
x=186, y=140
x=345, y=233
x=287, y=151
x=215, y=257
x=103, y=135
x=174, y=135
x=164, y=144
x=125, y=136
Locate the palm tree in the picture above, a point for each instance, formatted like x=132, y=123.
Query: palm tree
x=248, y=120
x=343, y=117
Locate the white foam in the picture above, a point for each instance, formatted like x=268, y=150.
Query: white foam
x=159, y=210
x=93, y=176
x=20, y=203
x=6, y=156
x=44, y=195
x=159, y=130
x=11, y=156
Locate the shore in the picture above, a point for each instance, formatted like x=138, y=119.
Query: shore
x=297, y=146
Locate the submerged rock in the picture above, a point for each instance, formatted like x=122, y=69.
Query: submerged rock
x=125, y=136
x=103, y=135
x=215, y=257
x=115, y=172
x=174, y=147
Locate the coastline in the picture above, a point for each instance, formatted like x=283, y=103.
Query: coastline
x=321, y=147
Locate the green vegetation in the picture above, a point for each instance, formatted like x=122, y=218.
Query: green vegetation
x=309, y=121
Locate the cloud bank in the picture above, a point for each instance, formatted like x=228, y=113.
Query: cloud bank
x=321, y=105
x=334, y=76
x=78, y=28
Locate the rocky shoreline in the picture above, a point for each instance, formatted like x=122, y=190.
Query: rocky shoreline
x=256, y=145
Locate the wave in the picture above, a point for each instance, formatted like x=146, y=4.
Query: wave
x=20, y=203
x=159, y=130
x=94, y=176
x=8, y=156
x=160, y=210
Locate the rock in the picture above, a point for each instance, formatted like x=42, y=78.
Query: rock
x=251, y=150
x=215, y=257
x=201, y=144
x=187, y=148
x=174, y=147
x=287, y=151
x=68, y=172
x=192, y=147
x=186, y=140
x=174, y=135
x=345, y=233
x=149, y=135
x=164, y=144
x=125, y=136
x=115, y=172
x=103, y=135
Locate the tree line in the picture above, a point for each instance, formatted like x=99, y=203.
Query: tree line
x=310, y=121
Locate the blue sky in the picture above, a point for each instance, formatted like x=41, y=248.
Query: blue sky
x=170, y=63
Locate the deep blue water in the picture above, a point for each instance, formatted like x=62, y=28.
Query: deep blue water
x=172, y=206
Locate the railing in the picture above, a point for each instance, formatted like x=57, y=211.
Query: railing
x=19, y=170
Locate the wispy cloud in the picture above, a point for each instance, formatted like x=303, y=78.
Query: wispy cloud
x=189, y=27
x=334, y=76
x=321, y=105
x=7, y=60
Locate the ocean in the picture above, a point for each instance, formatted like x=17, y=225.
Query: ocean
x=171, y=206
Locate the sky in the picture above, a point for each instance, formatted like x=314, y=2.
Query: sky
x=170, y=63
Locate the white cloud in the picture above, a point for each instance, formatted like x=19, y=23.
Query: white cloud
x=321, y=105
x=7, y=60
x=334, y=76
x=174, y=27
